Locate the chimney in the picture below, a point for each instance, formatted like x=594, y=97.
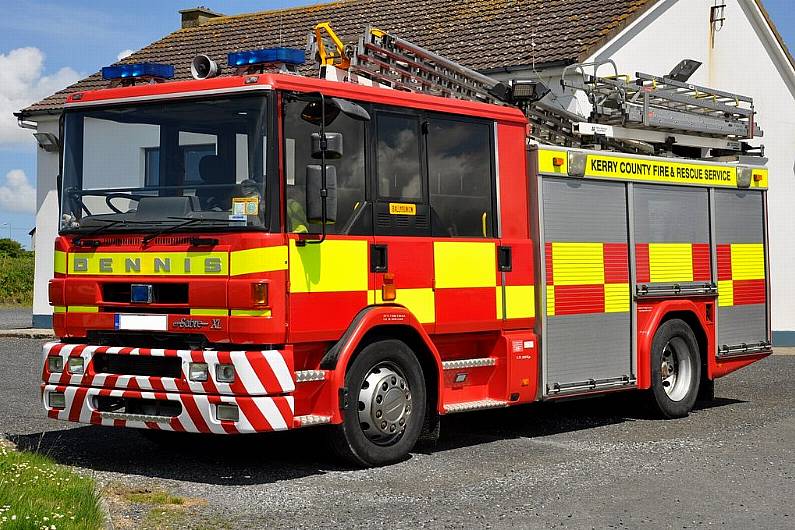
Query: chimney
x=196, y=16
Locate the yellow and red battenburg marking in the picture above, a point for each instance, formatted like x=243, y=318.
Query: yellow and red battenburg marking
x=672, y=262
x=741, y=274
x=587, y=278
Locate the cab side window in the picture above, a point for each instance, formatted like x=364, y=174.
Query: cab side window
x=350, y=170
x=398, y=157
x=460, y=177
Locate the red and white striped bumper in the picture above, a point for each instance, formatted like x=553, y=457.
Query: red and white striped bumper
x=261, y=387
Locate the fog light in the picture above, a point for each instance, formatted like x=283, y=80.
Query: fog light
x=225, y=373
x=55, y=363
x=56, y=400
x=227, y=412
x=76, y=365
x=197, y=371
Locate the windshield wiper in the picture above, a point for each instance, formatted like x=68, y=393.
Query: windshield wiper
x=187, y=221
x=108, y=223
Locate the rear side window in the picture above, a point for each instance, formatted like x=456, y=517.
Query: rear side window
x=460, y=177
x=399, y=170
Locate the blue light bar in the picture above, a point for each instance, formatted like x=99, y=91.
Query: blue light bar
x=268, y=55
x=129, y=71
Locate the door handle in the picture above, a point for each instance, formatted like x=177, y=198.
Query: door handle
x=379, y=258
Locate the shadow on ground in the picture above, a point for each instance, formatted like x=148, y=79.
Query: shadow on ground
x=268, y=458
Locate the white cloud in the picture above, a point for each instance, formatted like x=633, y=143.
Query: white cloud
x=22, y=83
x=124, y=54
x=17, y=195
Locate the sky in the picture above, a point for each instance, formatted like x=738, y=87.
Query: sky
x=48, y=45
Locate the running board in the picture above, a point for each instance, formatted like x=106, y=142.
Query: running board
x=307, y=376
x=469, y=363
x=475, y=405
x=310, y=420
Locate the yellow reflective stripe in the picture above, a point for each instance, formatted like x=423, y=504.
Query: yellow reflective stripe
x=253, y=260
x=545, y=165
x=59, y=262
x=458, y=264
x=725, y=293
x=498, y=290
x=550, y=300
x=334, y=265
x=251, y=312
x=748, y=261
x=149, y=263
x=421, y=302
x=59, y=309
x=616, y=297
x=578, y=263
x=670, y=262
x=82, y=309
x=520, y=301
x=209, y=312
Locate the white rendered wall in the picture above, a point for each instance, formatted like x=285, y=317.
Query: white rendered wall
x=46, y=224
x=743, y=59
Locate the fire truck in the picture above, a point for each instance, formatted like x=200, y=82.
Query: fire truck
x=397, y=240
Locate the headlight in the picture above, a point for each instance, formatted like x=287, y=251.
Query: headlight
x=55, y=363
x=197, y=371
x=76, y=365
x=56, y=400
x=225, y=373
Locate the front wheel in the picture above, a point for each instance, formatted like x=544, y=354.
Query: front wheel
x=387, y=402
x=675, y=370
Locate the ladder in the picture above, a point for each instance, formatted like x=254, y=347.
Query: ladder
x=645, y=114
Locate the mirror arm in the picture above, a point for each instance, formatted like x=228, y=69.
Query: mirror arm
x=323, y=189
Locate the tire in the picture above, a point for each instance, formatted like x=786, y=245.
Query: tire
x=675, y=370
x=384, y=374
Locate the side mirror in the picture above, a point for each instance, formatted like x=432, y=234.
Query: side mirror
x=313, y=111
x=314, y=194
x=332, y=148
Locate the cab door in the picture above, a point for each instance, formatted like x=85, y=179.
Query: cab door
x=434, y=220
x=329, y=281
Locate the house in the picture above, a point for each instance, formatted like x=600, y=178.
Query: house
x=737, y=42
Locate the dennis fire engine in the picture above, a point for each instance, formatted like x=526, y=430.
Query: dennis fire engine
x=395, y=241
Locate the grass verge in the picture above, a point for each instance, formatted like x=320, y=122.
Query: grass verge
x=160, y=509
x=16, y=279
x=35, y=492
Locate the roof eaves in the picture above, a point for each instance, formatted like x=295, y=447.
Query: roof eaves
x=617, y=28
x=776, y=33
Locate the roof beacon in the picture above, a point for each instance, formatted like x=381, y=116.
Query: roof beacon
x=128, y=74
x=257, y=61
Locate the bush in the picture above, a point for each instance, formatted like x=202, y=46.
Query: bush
x=11, y=248
x=16, y=279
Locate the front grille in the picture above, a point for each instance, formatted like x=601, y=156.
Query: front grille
x=135, y=241
x=144, y=365
x=148, y=407
x=162, y=293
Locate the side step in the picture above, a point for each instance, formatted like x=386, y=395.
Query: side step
x=306, y=376
x=469, y=363
x=475, y=405
x=310, y=419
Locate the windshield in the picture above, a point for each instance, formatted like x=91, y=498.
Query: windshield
x=200, y=163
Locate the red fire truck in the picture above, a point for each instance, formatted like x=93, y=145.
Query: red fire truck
x=266, y=251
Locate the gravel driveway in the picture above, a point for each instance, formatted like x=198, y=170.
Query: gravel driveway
x=591, y=463
x=15, y=317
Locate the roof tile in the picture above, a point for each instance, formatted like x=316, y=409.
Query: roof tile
x=480, y=34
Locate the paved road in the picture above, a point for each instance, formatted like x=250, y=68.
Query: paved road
x=595, y=463
x=15, y=317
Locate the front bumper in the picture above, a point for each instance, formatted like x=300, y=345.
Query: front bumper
x=262, y=389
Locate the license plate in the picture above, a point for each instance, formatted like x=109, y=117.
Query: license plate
x=142, y=322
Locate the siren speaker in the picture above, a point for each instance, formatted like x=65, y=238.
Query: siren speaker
x=202, y=67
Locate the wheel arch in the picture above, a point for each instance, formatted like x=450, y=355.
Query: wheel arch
x=692, y=314
x=375, y=323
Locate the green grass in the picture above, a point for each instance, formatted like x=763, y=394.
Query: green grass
x=16, y=279
x=35, y=492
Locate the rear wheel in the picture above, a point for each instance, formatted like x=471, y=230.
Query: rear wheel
x=675, y=370
x=386, y=409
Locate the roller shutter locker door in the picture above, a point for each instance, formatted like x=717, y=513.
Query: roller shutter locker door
x=672, y=243
x=742, y=287
x=587, y=274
